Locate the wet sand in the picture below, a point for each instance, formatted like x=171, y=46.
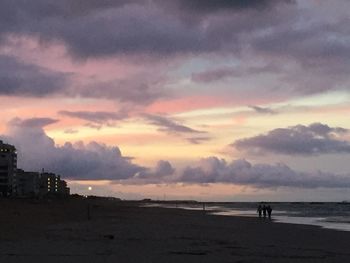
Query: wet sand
x=59, y=231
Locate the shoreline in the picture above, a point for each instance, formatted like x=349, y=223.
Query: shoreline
x=124, y=231
x=322, y=222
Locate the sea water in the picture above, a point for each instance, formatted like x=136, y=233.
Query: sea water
x=326, y=215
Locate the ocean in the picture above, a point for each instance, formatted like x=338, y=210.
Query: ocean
x=326, y=215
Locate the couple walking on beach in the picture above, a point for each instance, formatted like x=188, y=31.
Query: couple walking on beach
x=263, y=210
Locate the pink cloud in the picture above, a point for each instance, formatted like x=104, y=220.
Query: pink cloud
x=187, y=104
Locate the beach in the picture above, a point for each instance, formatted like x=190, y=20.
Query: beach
x=102, y=230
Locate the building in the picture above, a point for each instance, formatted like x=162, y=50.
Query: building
x=16, y=182
x=34, y=184
x=51, y=184
x=63, y=189
x=28, y=183
x=8, y=169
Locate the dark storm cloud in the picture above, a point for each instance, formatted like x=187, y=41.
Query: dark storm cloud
x=314, y=139
x=269, y=30
x=21, y=79
x=120, y=29
x=320, y=51
x=18, y=78
x=100, y=28
x=13, y=14
x=64, y=8
x=91, y=161
x=313, y=42
x=168, y=125
x=196, y=7
x=215, y=170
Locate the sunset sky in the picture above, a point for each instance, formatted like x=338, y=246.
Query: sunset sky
x=180, y=99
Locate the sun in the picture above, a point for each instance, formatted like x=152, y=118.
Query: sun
x=89, y=188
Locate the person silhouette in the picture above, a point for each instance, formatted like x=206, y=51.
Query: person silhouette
x=259, y=210
x=264, y=211
x=269, y=211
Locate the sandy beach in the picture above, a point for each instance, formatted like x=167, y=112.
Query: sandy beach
x=60, y=231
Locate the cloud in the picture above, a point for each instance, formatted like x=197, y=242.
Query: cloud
x=97, y=118
x=309, y=43
x=70, y=131
x=90, y=161
x=168, y=125
x=198, y=140
x=118, y=29
x=164, y=168
x=96, y=161
x=22, y=79
x=318, y=48
x=262, y=110
x=138, y=89
x=163, y=172
x=314, y=139
x=223, y=73
x=32, y=122
x=280, y=32
x=215, y=75
x=93, y=125
x=242, y=172
x=92, y=29
x=207, y=6
x=197, y=12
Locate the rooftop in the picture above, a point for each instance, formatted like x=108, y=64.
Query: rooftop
x=6, y=147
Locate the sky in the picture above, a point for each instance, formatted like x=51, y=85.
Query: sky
x=180, y=99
